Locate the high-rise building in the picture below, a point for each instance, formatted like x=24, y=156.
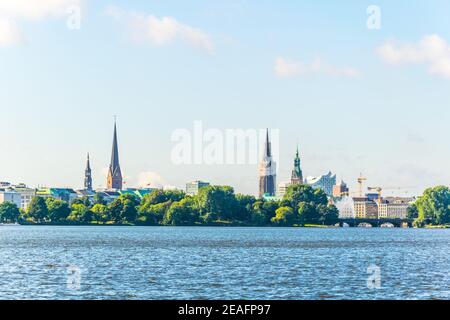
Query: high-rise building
x=297, y=175
x=10, y=196
x=88, y=176
x=267, y=171
x=114, y=180
x=193, y=187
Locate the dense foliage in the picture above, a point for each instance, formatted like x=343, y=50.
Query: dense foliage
x=214, y=205
x=432, y=208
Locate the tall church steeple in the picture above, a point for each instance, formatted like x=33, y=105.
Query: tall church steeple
x=88, y=175
x=267, y=171
x=114, y=180
x=297, y=174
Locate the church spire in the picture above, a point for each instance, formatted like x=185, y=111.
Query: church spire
x=297, y=174
x=88, y=175
x=114, y=180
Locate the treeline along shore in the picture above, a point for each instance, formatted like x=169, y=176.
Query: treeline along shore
x=213, y=206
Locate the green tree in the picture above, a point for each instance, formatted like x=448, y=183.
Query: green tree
x=153, y=214
x=244, y=207
x=217, y=202
x=182, y=213
x=83, y=200
x=284, y=216
x=58, y=210
x=413, y=212
x=80, y=213
x=433, y=206
x=161, y=196
x=100, y=212
x=99, y=199
x=123, y=208
x=37, y=210
x=263, y=212
x=9, y=212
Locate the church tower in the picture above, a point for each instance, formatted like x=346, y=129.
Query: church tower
x=267, y=171
x=88, y=176
x=114, y=180
x=297, y=175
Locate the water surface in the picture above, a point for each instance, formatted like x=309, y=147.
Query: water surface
x=40, y=262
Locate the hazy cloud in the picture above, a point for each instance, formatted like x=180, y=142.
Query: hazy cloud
x=10, y=33
x=286, y=68
x=431, y=50
x=150, y=179
x=13, y=11
x=160, y=31
x=35, y=9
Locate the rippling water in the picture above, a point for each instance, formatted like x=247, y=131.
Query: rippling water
x=222, y=263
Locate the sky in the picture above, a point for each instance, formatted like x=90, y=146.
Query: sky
x=355, y=98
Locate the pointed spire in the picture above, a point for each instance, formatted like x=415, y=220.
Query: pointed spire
x=88, y=175
x=114, y=180
x=267, y=151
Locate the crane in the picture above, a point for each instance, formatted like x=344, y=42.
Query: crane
x=361, y=180
x=378, y=190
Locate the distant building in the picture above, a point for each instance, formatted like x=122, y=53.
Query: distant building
x=114, y=180
x=297, y=174
x=340, y=190
x=139, y=193
x=10, y=196
x=26, y=195
x=64, y=194
x=324, y=182
x=394, y=208
x=267, y=171
x=365, y=208
x=88, y=176
x=192, y=188
x=282, y=188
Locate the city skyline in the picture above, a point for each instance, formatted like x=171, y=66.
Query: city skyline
x=375, y=105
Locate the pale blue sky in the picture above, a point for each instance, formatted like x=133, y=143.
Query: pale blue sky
x=60, y=89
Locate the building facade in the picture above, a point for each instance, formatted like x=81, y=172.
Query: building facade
x=10, y=196
x=324, y=182
x=193, y=187
x=114, y=180
x=365, y=208
x=267, y=171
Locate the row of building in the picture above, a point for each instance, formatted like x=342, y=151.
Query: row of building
x=369, y=206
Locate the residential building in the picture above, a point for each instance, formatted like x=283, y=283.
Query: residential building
x=192, y=188
x=7, y=195
x=324, y=182
x=267, y=171
x=394, y=208
x=365, y=208
x=26, y=195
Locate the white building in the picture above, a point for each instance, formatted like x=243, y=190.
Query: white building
x=10, y=196
x=26, y=195
x=282, y=188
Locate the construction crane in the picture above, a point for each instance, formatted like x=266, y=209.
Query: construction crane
x=361, y=180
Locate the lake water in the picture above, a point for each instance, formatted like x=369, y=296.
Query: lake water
x=223, y=263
